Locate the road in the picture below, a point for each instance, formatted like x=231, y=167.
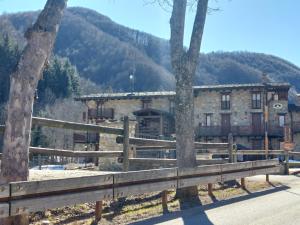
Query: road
x=272, y=207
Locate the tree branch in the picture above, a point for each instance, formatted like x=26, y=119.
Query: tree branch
x=177, y=31
x=196, y=38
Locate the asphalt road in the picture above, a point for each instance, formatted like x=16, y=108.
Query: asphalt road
x=278, y=206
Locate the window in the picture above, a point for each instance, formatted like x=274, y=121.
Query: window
x=146, y=103
x=282, y=95
x=208, y=118
x=281, y=121
x=225, y=101
x=256, y=100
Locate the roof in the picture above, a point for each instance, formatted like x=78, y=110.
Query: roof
x=126, y=95
x=141, y=95
x=152, y=111
x=236, y=86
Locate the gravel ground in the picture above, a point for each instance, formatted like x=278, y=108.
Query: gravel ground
x=61, y=174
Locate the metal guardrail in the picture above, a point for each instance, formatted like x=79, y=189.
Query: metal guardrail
x=32, y=196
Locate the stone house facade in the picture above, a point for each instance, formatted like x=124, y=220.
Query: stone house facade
x=248, y=111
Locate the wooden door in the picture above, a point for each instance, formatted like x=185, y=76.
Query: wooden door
x=257, y=124
x=225, y=124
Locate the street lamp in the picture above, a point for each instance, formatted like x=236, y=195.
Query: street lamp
x=131, y=79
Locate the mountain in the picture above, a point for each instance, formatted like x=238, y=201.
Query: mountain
x=106, y=53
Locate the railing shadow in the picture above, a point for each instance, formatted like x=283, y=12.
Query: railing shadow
x=197, y=215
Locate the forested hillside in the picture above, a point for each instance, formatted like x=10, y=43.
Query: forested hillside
x=106, y=53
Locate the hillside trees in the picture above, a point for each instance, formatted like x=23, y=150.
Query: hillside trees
x=24, y=80
x=60, y=78
x=184, y=63
x=9, y=55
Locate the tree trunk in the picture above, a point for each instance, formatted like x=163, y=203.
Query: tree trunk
x=184, y=64
x=184, y=117
x=40, y=41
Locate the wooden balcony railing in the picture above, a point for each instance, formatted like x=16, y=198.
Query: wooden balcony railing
x=215, y=131
x=275, y=130
x=107, y=113
x=84, y=138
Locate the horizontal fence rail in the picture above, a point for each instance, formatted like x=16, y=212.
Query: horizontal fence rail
x=32, y=196
x=74, y=154
x=170, y=144
x=71, y=153
x=72, y=126
x=260, y=152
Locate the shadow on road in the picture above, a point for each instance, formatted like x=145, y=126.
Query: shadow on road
x=188, y=217
x=244, y=197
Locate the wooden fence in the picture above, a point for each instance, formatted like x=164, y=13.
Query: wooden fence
x=32, y=196
x=127, y=155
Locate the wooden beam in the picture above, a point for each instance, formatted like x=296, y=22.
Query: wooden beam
x=98, y=210
x=55, y=201
x=294, y=153
x=136, y=189
x=202, y=180
x=75, y=126
x=164, y=199
x=253, y=172
x=170, y=144
x=135, y=176
x=126, y=146
x=259, y=152
x=4, y=210
x=71, y=153
x=173, y=162
x=210, y=189
x=200, y=170
x=4, y=191
x=243, y=183
x=32, y=196
x=35, y=187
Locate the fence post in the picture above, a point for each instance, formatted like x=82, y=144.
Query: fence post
x=164, y=200
x=243, y=184
x=230, y=148
x=209, y=189
x=40, y=161
x=126, y=146
x=234, y=149
x=133, y=151
x=98, y=210
x=287, y=167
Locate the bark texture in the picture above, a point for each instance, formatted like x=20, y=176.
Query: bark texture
x=40, y=40
x=184, y=64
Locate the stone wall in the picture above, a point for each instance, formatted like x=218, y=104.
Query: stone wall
x=108, y=141
x=125, y=107
x=206, y=102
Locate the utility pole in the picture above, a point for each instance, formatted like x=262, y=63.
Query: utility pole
x=266, y=119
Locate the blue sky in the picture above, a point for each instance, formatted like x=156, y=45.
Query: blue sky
x=268, y=26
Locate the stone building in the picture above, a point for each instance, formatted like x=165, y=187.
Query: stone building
x=248, y=111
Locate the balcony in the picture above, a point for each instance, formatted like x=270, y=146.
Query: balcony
x=275, y=130
x=86, y=138
x=215, y=131
x=100, y=114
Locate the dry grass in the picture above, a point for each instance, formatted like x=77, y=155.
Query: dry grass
x=143, y=206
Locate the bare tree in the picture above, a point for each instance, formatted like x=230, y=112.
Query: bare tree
x=40, y=40
x=184, y=63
